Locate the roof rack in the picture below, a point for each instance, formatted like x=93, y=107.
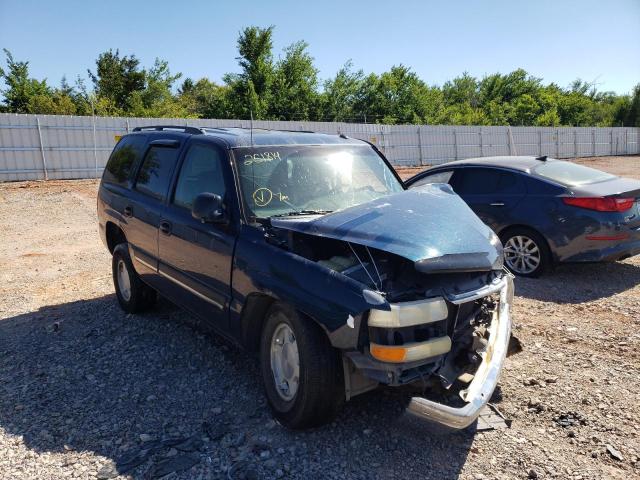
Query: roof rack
x=185, y=129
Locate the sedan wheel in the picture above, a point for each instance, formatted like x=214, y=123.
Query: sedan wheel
x=522, y=255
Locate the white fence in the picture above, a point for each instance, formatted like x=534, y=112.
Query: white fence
x=56, y=146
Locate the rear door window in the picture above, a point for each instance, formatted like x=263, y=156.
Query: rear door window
x=125, y=155
x=476, y=181
x=155, y=173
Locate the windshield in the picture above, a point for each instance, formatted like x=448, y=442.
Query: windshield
x=571, y=174
x=307, y=179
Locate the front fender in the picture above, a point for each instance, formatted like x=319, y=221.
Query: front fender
x=334, y=301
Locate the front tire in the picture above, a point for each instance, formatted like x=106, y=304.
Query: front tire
x=134, y=296
x=301, y=371
x=526, y=252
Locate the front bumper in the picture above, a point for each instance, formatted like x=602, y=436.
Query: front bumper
x=486, y=377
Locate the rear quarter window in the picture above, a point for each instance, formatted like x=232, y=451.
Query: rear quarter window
x=125, y=155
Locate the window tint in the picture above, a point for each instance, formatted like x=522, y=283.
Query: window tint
x=440, y=177
x=510, y=183
x=155, y=172
x=200, y=172
x=571, y=174
x=476, y=181
x=125, y=154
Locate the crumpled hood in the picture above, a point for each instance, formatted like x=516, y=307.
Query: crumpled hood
x=430, y=226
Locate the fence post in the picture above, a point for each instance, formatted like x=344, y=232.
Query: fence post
x=540, y=142
x=481, y=146
x=557, y=143
x=95, y=147
x=420, y=144
x=512, y=150
x=611, y=143
x=127, y=125
x=455, y=143
x=593, y=143
x=44, y=158
x=575, y=143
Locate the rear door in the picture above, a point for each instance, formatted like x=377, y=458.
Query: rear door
x=492, y=193
x=145, y=204
x=196, y=257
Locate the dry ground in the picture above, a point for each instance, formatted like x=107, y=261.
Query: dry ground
x=83, y=385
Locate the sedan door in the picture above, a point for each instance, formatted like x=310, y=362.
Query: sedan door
x=492, y=193
x=196, y=257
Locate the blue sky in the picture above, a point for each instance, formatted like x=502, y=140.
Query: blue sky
x=554, y=39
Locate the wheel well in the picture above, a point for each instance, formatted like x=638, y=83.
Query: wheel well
x=252, y=319
x=115, y=235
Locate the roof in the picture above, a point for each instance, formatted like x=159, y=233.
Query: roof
x=522, y=163
x=244, y=137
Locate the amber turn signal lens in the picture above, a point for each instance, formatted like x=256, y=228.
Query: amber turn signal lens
x=388, y=353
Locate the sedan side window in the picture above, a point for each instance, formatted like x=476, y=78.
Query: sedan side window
x=476, y=181
x=439, y=177
x=201, y=172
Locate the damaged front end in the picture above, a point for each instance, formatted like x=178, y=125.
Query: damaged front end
x=438, y=297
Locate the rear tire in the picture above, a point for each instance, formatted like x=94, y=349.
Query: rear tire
x=134, y=296
x=526, y=252
x=301, y=371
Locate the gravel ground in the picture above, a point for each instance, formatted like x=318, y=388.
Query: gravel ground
x=87, y=391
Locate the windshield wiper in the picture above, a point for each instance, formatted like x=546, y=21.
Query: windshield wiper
x=296, y=213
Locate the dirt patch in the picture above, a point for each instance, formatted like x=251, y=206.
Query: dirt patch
x=84, y=387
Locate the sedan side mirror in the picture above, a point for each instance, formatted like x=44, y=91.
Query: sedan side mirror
x=208, y=208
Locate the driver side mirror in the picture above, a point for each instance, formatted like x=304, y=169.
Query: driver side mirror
x=208, y=208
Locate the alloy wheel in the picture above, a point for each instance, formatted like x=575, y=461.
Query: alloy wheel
x=522, y=254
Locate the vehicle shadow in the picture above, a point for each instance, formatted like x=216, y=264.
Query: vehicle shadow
x=84, y=376
x=580, y=282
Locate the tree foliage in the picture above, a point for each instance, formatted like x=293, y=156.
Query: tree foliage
x=287, y=87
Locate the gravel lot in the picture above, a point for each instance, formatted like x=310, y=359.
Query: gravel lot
x=84, y=386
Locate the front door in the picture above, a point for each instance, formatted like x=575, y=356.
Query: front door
x=196, y=257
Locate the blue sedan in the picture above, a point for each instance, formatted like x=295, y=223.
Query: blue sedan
x=545, y=210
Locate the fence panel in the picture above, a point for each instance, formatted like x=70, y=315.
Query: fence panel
x=55, y=146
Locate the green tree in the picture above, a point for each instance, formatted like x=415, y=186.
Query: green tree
x=295, y=85
x=117, y=78
x=20, y=87
x=250, y=90
x=205, y=99
x=340, y=95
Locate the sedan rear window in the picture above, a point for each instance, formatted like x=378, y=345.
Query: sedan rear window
x=571, y=174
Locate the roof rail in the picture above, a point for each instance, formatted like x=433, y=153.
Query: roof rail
x=185, y=129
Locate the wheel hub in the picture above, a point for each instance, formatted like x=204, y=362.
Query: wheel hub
x=285, y=361
x=124, y=285
x=521, y=254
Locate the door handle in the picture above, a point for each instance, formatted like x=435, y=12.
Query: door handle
x=497, y=204
x=165, y=227
x=128, y=211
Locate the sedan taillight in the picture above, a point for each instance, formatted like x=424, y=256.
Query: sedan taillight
x=601, y=204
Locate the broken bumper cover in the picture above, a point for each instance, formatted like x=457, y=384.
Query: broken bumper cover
x=486, y=377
